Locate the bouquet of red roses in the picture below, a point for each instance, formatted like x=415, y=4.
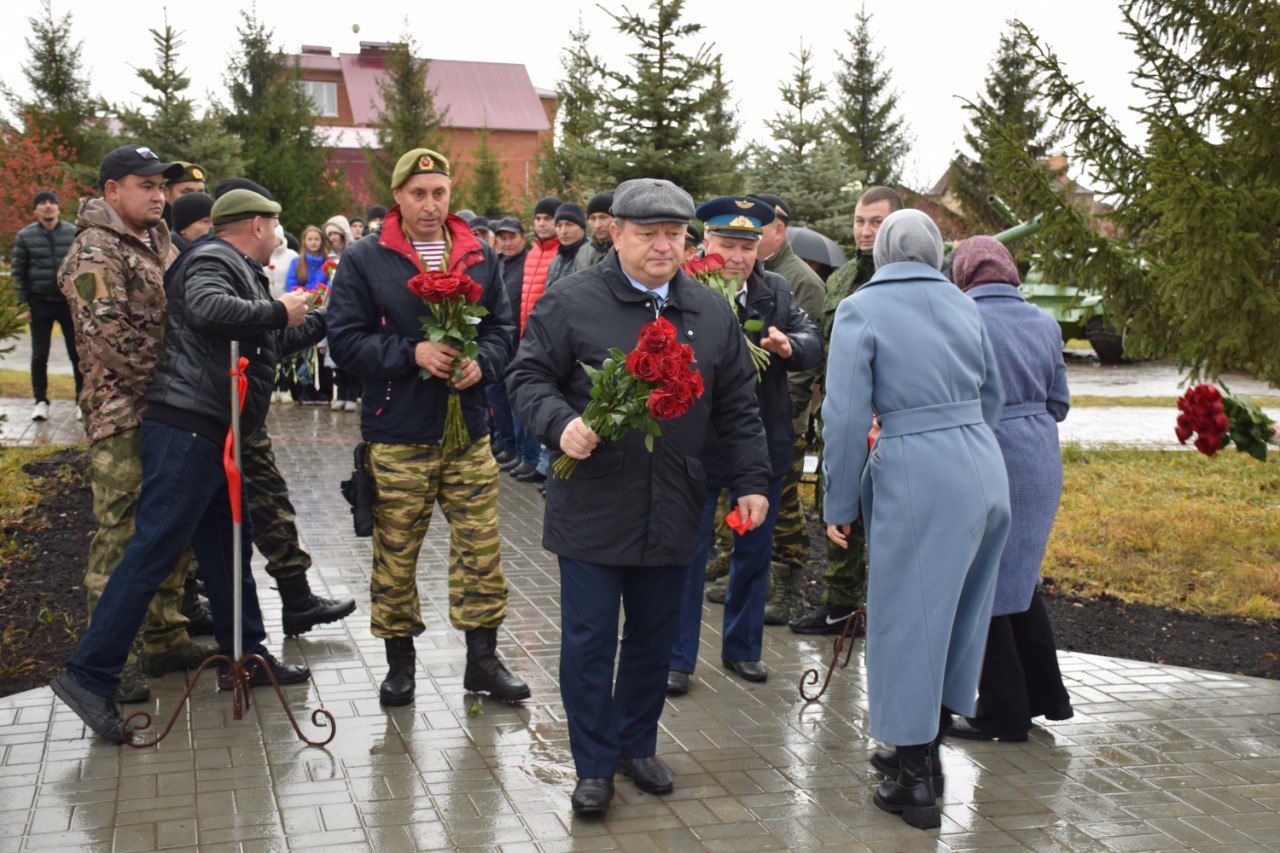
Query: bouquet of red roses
x=1218, y=421
x=453, y=317
x=319, y=297
x=329, y=267
x=654, y=382
x=709, y=270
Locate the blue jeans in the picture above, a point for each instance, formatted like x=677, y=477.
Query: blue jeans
x=544, y=462
x=502, y=425
x=526, y=443
x=183, y=499
x=609, y=720
x=746, y=594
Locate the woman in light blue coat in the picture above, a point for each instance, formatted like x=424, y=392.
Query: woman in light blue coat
x=1020, y=675
x=911, y=348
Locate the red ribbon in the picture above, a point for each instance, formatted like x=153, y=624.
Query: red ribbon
x=736, y=522
x=228, y=447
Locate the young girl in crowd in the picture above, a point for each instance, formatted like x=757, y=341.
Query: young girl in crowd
x=306, y=272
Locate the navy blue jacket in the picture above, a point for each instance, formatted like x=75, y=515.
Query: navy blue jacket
x=374, y=326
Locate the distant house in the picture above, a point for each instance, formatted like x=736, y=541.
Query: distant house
x=477, y=95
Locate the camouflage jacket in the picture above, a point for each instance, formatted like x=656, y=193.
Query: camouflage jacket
x=842, y=283
x=807, y=287
x=114, y=283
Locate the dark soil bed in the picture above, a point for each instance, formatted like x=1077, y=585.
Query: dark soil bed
x=42, y=606
x=1109, y=626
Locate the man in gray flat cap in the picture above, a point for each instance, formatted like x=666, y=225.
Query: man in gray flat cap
x=629, y=519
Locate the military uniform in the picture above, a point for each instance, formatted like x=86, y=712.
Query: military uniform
x=114, y=282
x=275, y=532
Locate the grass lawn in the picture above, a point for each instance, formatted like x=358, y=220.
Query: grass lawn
x=1172, y=528
x=18, y=492
x=17, y=383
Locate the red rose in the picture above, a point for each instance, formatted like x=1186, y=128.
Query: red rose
x=643, y=365
x=1183, y=433
x=670, y=368
x=663, y=406
x=656, y=336
x=1208, y=444
x=695, y=382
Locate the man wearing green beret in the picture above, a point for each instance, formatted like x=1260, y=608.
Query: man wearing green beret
x=375, y=332
x=218, y=292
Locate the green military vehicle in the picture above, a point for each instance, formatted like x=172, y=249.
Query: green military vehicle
x=1079, y=312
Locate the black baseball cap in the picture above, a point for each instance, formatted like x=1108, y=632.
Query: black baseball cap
x=135, y=160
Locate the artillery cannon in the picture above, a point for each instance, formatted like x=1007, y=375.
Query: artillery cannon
x=1079, y=312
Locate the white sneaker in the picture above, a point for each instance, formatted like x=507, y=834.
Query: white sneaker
x=351, y=406
x=79, y=414
x=40, y=412
x=335, y=406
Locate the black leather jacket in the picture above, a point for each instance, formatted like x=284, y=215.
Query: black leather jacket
x=217, y=294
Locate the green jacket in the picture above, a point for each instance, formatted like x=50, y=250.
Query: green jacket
x=807, y=287
x=590, y=254
x=843, y=283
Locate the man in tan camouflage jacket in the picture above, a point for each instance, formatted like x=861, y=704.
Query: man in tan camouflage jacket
x=113, y=278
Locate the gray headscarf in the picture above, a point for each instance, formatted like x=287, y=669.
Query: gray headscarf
x=908, y=235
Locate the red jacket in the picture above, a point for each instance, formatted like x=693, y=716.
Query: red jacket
x=539, y=259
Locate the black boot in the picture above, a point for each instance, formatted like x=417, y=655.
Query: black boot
x=911, y=793
x=397, y=687
x=303, y=610
x=196, y=609
x=885, y=760
x=485, y=672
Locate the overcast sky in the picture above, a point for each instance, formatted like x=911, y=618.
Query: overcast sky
x=937, y=51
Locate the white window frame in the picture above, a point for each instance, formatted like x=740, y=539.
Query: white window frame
x=321, y=93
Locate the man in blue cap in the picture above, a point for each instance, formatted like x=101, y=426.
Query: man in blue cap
x=768, y=312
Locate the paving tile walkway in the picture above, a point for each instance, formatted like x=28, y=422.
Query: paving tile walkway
x=1156, y=758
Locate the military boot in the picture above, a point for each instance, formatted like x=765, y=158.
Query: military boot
x=912, y=793
x=485, y=671
x=718, y=591
x=133, y=686
x=397, y=688
x=185, y=655
x=718, y=565
x=786, y=600
x=302, y=610
x=196, y=608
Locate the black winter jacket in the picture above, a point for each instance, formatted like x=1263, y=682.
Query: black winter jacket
x=217, y=294
x=625, y=506
x=770, y=300
x=374, y=326
x=512, y=272
x=37, y=254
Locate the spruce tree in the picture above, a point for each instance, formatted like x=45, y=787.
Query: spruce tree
x=408, y=118
x=722, y=132
x=1010, y=99
x=485, y=193
x=61, y=104
x=171, y=123
x=576, y=158
x=866, y=116
x=275, y=120
x=1193, y=269
x=657, y=110
x=805, y=163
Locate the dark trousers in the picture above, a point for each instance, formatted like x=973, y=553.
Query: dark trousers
x=324, y=381
x=1020, y=675
x=43, y=316
x=526, y=442
x=502, y=423
x=609, y=720
x=347, y=384
x=183, y=499
x=745, y=597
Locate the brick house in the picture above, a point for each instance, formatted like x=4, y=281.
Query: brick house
x=477, y=95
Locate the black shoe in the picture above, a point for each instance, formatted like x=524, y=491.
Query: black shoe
x=522, y=469
x=184, y=656
x=504, y=454
x=196, y=608
x=748, y=670
x=886, y=761
x=285, y=673
x=485, y=672
x=542, y=489
x=592, y=796
x=648, y=774
x=98, y=712
x=966, y=730
x=302, y=609
x=911, y=793
x=532, y=477
x=825, y=619
x=511, y=464
x=677, y=683
x=397, y=688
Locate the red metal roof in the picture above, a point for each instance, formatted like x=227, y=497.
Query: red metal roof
x=498, y=95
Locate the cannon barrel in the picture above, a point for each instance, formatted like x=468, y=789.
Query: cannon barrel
x=1020, y=230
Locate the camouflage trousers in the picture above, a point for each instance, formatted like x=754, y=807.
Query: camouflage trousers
x=790, y=537
x=845, y=580
x=115, y=476
x=275, y=531
x=408, y=481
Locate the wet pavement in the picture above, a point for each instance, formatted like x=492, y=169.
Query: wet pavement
x=1156, y=758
